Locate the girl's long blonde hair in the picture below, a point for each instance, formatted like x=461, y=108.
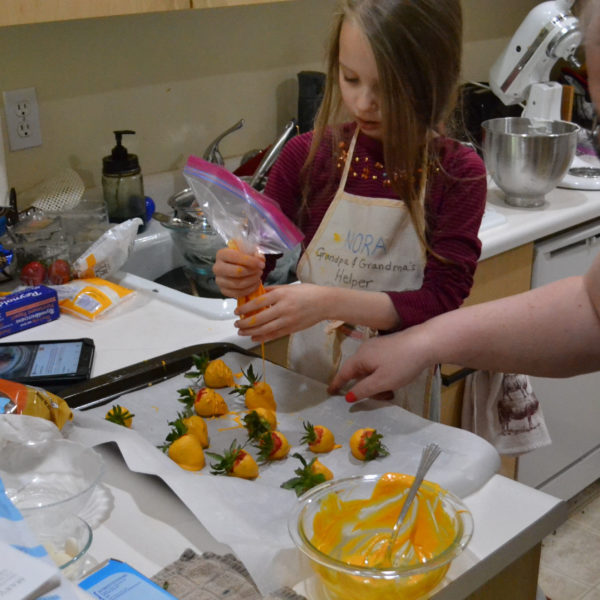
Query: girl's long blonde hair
x=417, y=46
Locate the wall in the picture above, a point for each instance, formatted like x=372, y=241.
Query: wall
x=180, y=78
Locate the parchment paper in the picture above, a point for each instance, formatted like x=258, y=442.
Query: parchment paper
x=251, y=516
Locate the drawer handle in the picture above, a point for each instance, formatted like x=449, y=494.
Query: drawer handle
x=448, y=380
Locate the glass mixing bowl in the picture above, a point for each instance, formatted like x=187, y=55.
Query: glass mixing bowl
x=51, y=480
x=337, y=579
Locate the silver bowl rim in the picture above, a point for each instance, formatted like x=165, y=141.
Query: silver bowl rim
x=486, y=126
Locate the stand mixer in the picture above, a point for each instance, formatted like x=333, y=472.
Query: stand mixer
x=522, y=74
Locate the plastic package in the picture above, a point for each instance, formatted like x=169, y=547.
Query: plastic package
x=27, y=308
x=238, y=212
x=90, y=298
x=109, y=252
x=20, y=399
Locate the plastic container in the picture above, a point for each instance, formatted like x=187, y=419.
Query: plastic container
x=83, y=225
x=39, y=236
x=122, y=184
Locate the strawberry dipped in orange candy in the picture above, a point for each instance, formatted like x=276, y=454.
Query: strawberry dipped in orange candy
x=216, y=373
x=319, y=438
x=187, y=452
x=183, y=447
x=258, y=422
x=120, y=415
x=209, y=403
x=235, y=462
x=206, y=402
x=196, y=426
x=365, y=444
x=318, y=468
x=257, y=394
x=272, y=445
x=307, y=476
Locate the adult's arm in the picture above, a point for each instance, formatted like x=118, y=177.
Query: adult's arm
x=551, y=331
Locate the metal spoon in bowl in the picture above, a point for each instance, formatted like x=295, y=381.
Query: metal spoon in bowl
x=428, y=456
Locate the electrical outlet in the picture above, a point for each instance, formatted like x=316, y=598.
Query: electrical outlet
x=22, y=119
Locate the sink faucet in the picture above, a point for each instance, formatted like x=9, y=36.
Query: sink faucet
x=212, y=153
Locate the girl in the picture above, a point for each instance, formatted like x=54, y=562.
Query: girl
x=389, y=207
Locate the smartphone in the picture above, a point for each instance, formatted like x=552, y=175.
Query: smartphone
x=50, y=364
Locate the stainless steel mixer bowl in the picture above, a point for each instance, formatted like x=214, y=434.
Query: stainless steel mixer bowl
x=527, y=158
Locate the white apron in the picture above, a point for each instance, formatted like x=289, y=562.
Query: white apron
x=366, y=244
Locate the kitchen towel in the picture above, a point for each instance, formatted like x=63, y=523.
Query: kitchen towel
x=211, y=576
x=503, y=409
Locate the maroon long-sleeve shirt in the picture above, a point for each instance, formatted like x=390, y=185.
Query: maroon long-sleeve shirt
x=454, y=208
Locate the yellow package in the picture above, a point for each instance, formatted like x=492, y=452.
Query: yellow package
x=20, y=399
x=90, y=298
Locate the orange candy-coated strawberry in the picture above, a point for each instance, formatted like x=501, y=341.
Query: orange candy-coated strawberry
x=365, y=444
x=119, y=415
x=209, y=403
x=196, y=425
x=187, y=452
x=235, y=462
x=273, y=445
x=319, y=438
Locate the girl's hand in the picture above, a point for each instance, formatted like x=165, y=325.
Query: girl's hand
x=288, y=308
x=237, y=274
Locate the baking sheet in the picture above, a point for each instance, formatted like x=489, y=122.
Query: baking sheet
x=251, y=516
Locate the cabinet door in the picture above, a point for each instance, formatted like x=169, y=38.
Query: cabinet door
x=216, y=3
x=506, y=274
x=20, y=12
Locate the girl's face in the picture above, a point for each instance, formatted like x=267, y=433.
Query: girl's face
x=359, y=80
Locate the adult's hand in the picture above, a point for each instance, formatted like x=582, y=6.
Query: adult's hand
x=384, y=363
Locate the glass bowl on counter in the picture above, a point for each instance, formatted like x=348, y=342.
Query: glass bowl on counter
x=49, y=481
x=67, y=544
x=343, y=527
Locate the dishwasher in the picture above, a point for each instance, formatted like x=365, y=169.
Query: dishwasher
x=571, y=406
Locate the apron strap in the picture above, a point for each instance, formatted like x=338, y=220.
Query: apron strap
x=348, y=164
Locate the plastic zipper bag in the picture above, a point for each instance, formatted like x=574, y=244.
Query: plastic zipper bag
x=238, y=212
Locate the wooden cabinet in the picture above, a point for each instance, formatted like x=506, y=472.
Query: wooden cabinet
x=21, y=12
x=218, y=3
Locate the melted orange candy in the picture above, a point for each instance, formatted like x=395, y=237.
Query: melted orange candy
x=357, y=532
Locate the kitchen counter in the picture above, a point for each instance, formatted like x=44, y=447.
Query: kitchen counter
x=563, y=208
x=510, y=519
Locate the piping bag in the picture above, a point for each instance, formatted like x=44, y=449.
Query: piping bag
x=246, y=219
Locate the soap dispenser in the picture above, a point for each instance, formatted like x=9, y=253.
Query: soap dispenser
x=122, y=184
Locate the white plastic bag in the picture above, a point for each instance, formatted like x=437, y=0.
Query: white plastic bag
x=109, y=252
